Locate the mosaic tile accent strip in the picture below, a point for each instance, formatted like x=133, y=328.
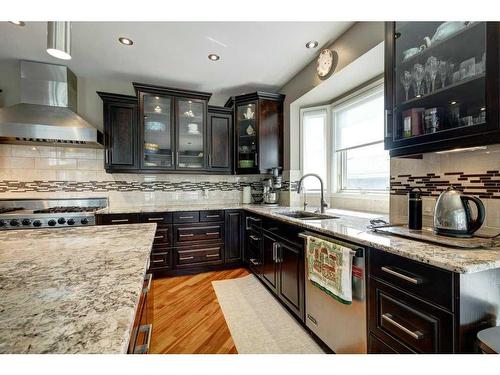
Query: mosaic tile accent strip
x=483, y=185
x=13, y=186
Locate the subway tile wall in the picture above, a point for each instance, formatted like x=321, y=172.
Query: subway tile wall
x=48, y=172
x=473, y=172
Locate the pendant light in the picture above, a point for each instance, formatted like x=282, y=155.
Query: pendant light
x=59, y=39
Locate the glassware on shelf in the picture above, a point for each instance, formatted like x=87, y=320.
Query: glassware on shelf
x=427, y=78
x=443, y=71
x=433, y=69
x=418, y=75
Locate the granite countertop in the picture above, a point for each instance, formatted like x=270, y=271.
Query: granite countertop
x=71, y=290
x=352, y=226
x=140, y=208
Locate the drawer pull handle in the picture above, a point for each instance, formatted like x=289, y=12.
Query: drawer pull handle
x=155, y=218
x=212, y=255
x=254, y=261
x=186, y=258
x=158, y=237
x=144, y=349
x=417, y=335
x=254, y=237
x=412, y=280
x=149, y=278
x=119, y=220
x=213, y=216
x=186, y=217
x=186, y=235
x=158, y=260
x=212, y=233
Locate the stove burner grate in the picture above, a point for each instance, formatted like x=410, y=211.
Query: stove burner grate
x=70, y=209
x=10, y=209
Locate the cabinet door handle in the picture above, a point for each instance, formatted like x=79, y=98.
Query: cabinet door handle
x=417, y=335
x=254, y=237
x=106, y=156
x=413, y=280
x=212, y=255
x=275, y=251
x=186, y=258
x=155, y=218
x=256, y=159
x=186, y=217
x=212, y=233
x=119, y=220
x=149, y=278
x=387, y=113
x=186, y=235
x=144, y=349
x=247, y=225
x=210, y=159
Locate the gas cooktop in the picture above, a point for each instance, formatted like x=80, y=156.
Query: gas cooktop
x=50, y=213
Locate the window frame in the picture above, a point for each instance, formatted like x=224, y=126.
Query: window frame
x=328, y=160
x=333, y=157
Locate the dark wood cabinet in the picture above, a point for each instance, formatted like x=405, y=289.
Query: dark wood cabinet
x=441, y=86
x=258, y=132
x=172, y=129
x=220, y=139
x=120, y=132
x=282, y=265
x=235, y=236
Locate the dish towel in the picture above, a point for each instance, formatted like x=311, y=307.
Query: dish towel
x=330, y=268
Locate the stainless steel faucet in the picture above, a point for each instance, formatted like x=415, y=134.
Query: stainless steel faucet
x=323, y=204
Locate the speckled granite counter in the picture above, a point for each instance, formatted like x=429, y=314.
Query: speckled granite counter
x=71, y=290
x=352, y=226
x=171, y=207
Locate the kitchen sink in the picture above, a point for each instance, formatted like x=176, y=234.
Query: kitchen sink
x=306, y=215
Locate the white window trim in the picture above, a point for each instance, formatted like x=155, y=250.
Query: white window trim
x=332, y=182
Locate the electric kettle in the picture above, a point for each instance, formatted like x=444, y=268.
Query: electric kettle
x=452, y=214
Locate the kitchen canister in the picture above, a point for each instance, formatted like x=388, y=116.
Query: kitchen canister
x=247, y=195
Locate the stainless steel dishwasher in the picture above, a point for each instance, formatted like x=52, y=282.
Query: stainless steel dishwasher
x=341, y=327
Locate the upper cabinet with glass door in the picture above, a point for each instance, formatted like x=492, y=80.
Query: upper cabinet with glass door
x=191, y=133
x=441, y=85
x=172, y=128
x=258, y=132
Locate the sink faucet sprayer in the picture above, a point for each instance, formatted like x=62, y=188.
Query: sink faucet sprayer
x=323, y=203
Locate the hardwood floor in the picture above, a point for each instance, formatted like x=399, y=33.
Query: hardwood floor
x=187, y=318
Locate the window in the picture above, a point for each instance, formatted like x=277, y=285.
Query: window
x=344, y=144
x=314, y=146
x=362, y=164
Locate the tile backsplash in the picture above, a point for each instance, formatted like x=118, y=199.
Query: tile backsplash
x=472, y=172
x=46, y=171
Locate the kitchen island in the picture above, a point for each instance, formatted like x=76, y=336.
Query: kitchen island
x=72, y=290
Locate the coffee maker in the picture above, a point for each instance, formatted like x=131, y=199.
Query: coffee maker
x=271, y=187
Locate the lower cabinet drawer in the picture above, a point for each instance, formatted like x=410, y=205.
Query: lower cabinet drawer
x=421, y=327
x=198, y=255
x=163, y=236
x=376, y=346
x=190, y=233
x=113, y=219
x=160, y=259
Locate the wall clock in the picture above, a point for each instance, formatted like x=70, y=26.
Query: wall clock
x=324, y=63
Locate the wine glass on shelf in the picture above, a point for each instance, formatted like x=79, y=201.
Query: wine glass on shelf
x=418, y=76
x=427, y=78
x=433, y=68
x=443, y=71
x=406, y=82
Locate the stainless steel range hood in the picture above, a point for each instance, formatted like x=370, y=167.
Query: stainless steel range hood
x=47, y=111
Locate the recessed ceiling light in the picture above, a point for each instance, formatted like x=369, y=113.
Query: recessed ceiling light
x=483, y=108
x=17, y=23
x=312, y=44
x=213, y=57
x=126, y=41
x=59, y=39
x=453, y=102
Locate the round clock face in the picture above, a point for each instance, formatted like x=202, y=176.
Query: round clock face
x=324, y=63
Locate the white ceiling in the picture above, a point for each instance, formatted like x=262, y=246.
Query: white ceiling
x=254, y=55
